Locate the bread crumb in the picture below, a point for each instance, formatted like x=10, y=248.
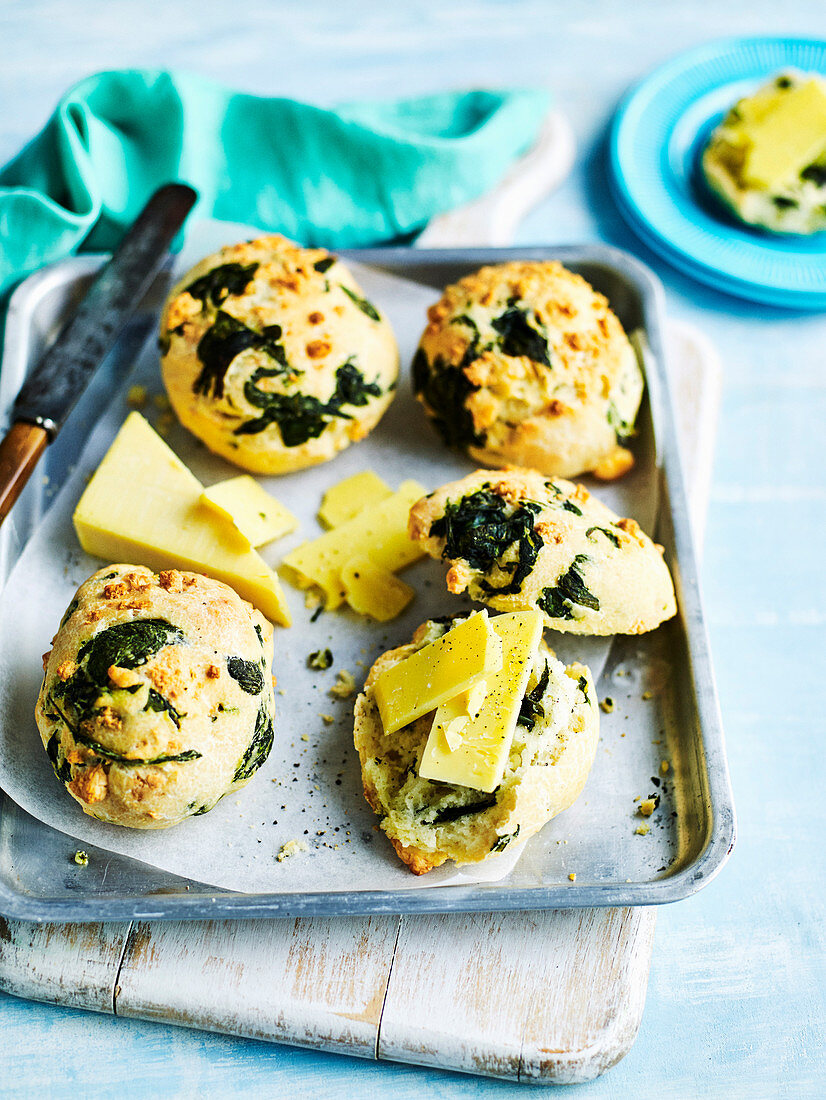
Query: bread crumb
x=292, y=848
x=643, y=830
x=648, y=806
x=607, y=704
x=647, y=695
x=327, y=719
x=81, y=858
x=572, y=876
x=664, y=766
x=305, y=737
x=345, y=684
x=136, y=397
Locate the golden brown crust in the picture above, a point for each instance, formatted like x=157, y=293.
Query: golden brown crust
x=623, y=571
x=144, y=760
x=552, y=397
x=546, y=771
x=318, y=326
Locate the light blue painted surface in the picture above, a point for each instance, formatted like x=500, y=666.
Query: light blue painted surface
x=736, y=1002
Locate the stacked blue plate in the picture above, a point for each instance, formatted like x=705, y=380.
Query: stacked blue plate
x=656, y=142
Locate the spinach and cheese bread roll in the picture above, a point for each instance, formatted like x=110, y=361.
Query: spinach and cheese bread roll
x=525, y=363
x=273, y=356
x=157, y=698
x=767, y=158
x=516, y=540
x=550, y=744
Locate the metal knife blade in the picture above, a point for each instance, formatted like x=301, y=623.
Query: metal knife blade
x=54, y=386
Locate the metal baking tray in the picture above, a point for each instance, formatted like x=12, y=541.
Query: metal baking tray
x=692, y=831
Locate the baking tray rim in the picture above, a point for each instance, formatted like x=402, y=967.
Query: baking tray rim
x=720, y=838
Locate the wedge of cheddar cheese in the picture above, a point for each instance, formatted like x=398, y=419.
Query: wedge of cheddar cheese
x=144, y=506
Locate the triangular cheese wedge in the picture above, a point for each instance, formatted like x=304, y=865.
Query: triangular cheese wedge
x=143, y=506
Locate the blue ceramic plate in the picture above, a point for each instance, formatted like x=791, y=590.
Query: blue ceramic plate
x=656, y=141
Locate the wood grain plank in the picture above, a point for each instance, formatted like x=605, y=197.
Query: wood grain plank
x=317, y=982
x=589, y=987
x=67, y=964
x=555, y=997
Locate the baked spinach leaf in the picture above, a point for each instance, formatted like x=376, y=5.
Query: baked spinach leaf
x=259, y=747
x=445, y=390
x=501, y=844
x=218, y=284
x=226, y=338
x=570, y=589
x=532, y=707
x=481, y=527
x=247, y=673
x=125, y=645
x=453, y=813
x=519, y=337
x=366, y=307
x=610, y=535
x=62, y=768
x=301, y=417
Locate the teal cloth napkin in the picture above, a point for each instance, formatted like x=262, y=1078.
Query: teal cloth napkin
x=362, y=174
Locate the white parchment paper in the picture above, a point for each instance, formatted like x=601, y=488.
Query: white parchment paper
x=309, y=789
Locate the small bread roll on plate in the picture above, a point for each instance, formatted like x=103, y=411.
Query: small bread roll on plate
x=515, y=540
x=428, y=822
x=157, y=697
x=525, y=363
x=274, y=358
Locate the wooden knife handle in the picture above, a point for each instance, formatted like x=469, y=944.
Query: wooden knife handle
x=20, y=452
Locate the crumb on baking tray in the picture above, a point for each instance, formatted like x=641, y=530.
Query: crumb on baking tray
x=607, y=704
x=320, y=659
x=664, y=766
x=648, y=805
x=643, y=830
x=345, y=684
x=81, y=858
x=136, y=397
x=572, y=876
x=291, y=848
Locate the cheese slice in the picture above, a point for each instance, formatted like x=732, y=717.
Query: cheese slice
x=374, y=591
x=478, y=760
x=437, y=672
x=258, y=516
x=379, y=533
x=344, y=501
x=144, y=506
x=788, y=137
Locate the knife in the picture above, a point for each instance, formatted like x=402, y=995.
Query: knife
x=54, y=386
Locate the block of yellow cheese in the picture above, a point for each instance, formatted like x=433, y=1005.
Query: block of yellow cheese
x=351, y=496
x=787, y=138
x=468, y=746
x=245, y=502
x=379, y=532
x=144, y=506
x=437, y=672
x=374, y=591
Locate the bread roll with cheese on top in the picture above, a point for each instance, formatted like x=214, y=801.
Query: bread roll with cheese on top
x=428, y=822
